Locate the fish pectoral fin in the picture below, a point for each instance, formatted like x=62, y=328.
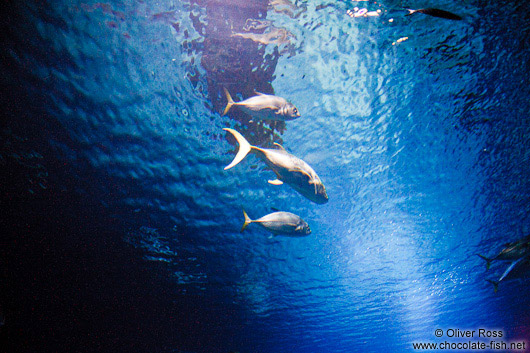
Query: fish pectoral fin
x=275, y=182
x=311, y=181
x=300, y=170
x=279, y=146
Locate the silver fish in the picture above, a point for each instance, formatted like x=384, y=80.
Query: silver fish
x=288, y=168
x=436, y=13
x=264, y=107
x=517, y=269
x=280, y=223
x=512, y=251
x=274, y=36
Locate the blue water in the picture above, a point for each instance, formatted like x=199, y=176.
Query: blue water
x=418, y=126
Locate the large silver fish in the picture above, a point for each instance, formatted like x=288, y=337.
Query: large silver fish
x=512, y=251
x=264, y=107
x=288, y=168
x=280, y=223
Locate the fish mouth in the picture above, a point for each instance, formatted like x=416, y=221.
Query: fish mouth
x=317, y=196
x=293, y=116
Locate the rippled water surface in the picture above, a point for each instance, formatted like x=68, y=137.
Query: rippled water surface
x=417, y=125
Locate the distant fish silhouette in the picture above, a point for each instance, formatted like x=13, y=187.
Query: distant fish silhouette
x=273, y=36
x=512, y=251
x=436, y=13
x=518, y=269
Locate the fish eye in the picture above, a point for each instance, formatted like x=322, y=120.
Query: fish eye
x=295, y=110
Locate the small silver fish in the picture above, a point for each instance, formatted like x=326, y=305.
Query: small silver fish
x=512, y=251
x=288, y=168
x=273, y=36
x=280, y=223
x=436, y=13
x=264, y=107
x=517, y=269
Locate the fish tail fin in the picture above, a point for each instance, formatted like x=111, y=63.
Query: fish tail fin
x=247, y=221
x=488, y=261
x=495, y=285
x=244, y=147
x=230, y=102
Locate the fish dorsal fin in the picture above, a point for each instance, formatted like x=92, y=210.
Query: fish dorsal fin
x=280, y=147
x=275, y=209
x=260, y=94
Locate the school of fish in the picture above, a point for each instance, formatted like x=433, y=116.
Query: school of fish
x=296, y=173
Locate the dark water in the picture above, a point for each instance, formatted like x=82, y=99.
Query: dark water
x=120, y=228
